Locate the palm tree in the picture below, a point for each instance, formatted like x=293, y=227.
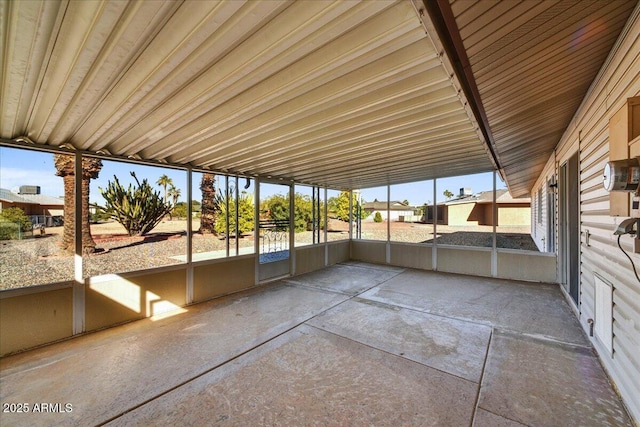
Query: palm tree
x=174, y=193
x=65, y=167
x=209, y=204
x=164, y=181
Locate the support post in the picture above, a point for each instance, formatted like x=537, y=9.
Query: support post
x=226, y=220
x=494, y=212
x=388, y=247
x=189, y=236
x=292, y=231
x=238, y=217
x=256, y=228
x=78, y=282
x=434, y=249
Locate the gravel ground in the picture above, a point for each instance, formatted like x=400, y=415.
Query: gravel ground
x=38, y=260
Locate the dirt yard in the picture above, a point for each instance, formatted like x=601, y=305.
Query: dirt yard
x=39, y=260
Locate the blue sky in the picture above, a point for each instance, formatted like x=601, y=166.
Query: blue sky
x=27, y=167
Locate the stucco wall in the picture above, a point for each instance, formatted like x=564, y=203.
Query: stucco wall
x=35, y=318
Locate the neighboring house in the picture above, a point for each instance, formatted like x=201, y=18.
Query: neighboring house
x=398, y=210
x=42, y=209
x=477, y=209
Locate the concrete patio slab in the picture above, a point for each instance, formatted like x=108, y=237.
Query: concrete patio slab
x=105, y=373
x=538, y=382
x=311, y=377
x=309, y=354
x=453, y=346
x=347, y=279
x=532, y=308
x=487, y=419
x=370, y=265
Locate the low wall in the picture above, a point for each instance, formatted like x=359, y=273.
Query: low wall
x=464, y=260
x=119, y=298
x=525, y=265
x=222, y=277
x=369, y=251
x=511, y=263
x=309, y=258
x=31, y=319
x=339, y=251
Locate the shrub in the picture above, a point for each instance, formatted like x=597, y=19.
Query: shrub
x=377, y=217
x=13, y=222
x=245, y=214
x=278, y=208
x=138, y=209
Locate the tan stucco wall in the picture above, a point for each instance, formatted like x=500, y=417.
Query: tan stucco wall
x=459, y=214
x=514, y=215
x=121, y=298
x=339, y=252
x=412, y=256
x=309, y=258
x=369, y=251
x=221, y=278
x=482, y=214
x=34, y=319
x=531, y=266
x=464, y=260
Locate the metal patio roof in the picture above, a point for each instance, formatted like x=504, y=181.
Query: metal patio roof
x=339, y=94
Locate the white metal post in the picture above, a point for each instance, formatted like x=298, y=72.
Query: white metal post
x=78, y=283
x=326, y=225
x=388, y=247
x=189, y=236
x=238, y=217
x=350, y=214
x=434, y=249
x=226, y=219
x=256, y=228
x=494, y=250
x=292, y=230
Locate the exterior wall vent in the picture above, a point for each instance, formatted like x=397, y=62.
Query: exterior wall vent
x=604, y=313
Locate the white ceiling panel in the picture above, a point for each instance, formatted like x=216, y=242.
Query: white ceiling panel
x=338, y=93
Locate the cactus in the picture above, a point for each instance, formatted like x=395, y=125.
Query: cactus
x=138, y=209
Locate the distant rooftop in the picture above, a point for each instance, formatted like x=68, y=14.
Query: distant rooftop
x=38, y=199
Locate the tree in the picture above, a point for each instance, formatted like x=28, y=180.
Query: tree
x=245, y=213
x=339, y=206
x=377, y=217
x=278, y=208
x=20, y=223
x=65, y=168
x=210, y=204
x=138, y=209
x=174, y=193
x=179, y=210
x=448, y=194
x=164, y=181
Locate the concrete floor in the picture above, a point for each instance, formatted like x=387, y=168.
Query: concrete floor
x=354, y=344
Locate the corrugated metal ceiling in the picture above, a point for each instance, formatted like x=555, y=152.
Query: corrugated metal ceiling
x=533, y=61
x=342, y=94
x=339, y=94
